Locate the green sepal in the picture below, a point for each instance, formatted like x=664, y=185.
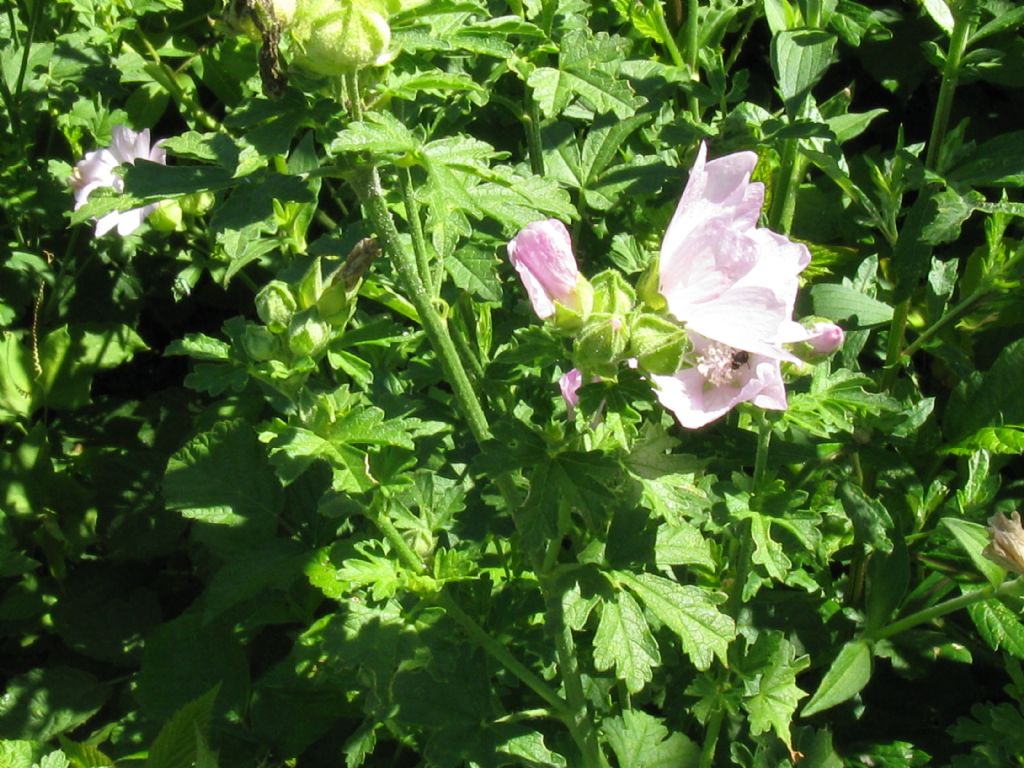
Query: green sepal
x=275, y=306
x=658, y=344
x=612, y=294
x=648, y=286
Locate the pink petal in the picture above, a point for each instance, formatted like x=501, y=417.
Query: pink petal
x=542, y=255
x=569, y=384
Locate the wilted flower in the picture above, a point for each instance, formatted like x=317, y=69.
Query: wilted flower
x=97, y=169
x=542, y=255
x=1007, y=545
x=570, y=383
x=722, y=378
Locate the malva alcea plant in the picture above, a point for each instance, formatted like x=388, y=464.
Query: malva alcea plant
x=729, y=285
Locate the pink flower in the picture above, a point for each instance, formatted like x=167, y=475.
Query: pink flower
x=824, y=338
x=542, y=255
x=722, y=378
x=569, y=383
x=96, y=170
x=723, y=276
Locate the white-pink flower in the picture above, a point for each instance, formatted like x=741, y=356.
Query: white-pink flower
x=722, y=378
x=723, y=276
x=570, y=383
x=542, y=255
x=734, y=285
x=97, y=169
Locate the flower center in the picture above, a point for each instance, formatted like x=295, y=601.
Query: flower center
x=719, y=363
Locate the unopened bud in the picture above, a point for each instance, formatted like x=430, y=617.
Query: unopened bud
x=259, y=343
x=275, y=306
x=658, y=344
x=307, y=334
x=166, y=217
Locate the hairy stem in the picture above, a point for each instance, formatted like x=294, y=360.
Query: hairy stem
x=419, y=243
x=1013, y=588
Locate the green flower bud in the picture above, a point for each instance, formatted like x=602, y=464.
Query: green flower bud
x=198, y=203
x=259, y=343
x=612, y=294
x=275, y=305
x=648, y=287
x=658, y=344
x=166, y=217
x=307, y=334
x=601, y=344
x=334, y=38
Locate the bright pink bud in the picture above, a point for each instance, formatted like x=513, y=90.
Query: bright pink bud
x=825, y=338
x=542, y=255
x=570, y=384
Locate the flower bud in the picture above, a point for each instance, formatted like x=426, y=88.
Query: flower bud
x=166, y=217
x=612, y=294
x=335, y=38
x=825, y=338
x=658, y=344
x=275, y=306
x=307, y=334
x=1007, y=545
x=198, y=203
x=601, y=343
x=259, y=343
x=542, y=255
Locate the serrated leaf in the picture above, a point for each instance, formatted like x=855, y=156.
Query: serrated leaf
x=223, y=477
x=974, y=538
x=871, y=520
x=43, y=703
x=176, y=744
x=1000, y=626
x=475, y=271
x=845, y=678
x=994, y=163
x=555, y=88
x=992, y=399
x=199, y=346
x=682, y=544
x=55, y=759
x=771, y=694
x=531, y=750
x=379, y=133
x=83, y=755
x=688, y=611
x=768, y=552
x=640, y=740
x=16, y=753
x=624, y=640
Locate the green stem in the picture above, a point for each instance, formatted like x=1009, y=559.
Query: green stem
x=369, y=189
x=947, y=319
x=1013, y=588
x=714, y=726
x=419, y=243
x=764, y=441
x=667, y=39
x=168, y=80
x=534, y=144
x=37, y=9
x=950, y=76
x=691, y=43
x=784, y=197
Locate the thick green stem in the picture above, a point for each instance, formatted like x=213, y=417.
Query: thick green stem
x=787, y=186
x=692, y=41
x=1013, y=588
x=940, y=124
x=667, y=38
x=764, y=441
x=419, y=243
x=534, y=144
x=368, y=187
x=948, y=319
x=950, y=75
x=714, y=726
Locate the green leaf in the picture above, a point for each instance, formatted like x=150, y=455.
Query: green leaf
x=871, y=520
x=688, y=611
x=379, y=133
x=43, y=703
x=1000, y=626
x=475, y=271
x=199, y=346
x=184, y=659
x=974, y=538
x=55, y=760
x=83, y=755
x=799, y=59
x=768, y=552
x=839, y=302
x=682, y=544
x=624, y=640
x=771, y=694
x=989, y=399
x=640, y=740
x=531, y=751
x=602, y=144
x=994, y=163
x=845, y=678
x=887, y=581
x=176, y=746
x=17, y=753
x=555, y=88
x=222, y=477
x=16, y=382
